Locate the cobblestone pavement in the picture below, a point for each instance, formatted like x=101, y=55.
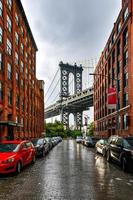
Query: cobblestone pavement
x=69, y=172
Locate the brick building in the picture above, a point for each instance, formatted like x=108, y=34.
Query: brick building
x=21, y=94
x=115, y=67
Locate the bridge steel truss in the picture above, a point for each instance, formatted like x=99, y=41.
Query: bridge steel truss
x=65, y=70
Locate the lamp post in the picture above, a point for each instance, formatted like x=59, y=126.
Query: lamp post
x=117, y=103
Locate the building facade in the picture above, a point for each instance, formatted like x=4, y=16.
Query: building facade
x=115, y=70
x=21, y=94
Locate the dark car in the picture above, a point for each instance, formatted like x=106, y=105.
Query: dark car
x=120, y=149
x=48, y=139
x=101, y=146
x=88, y=142
x=41, y=146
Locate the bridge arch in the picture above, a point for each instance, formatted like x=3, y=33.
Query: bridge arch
x=67, y=72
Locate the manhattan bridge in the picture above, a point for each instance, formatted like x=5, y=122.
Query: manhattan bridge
x=70, y=91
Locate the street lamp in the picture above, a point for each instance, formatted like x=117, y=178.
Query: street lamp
x=117, y=103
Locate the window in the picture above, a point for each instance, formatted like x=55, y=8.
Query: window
x=125, y=103
x=113, y=56
x=118, y=48
x=1, y=8
x=22, y=31
x=9, y=24
x=26, y=73
x=125, y=14
x=16, y=38
x=26, y=57
x=125, y=122
x=125, y=57
x=23, y=104
x=9, y=47
x=125, y=37
x=9, y=3
x=22, y=48
x=17, y=79
x=1, y=91
x=125, y=80
x=9, y=97
x=118, y=27
x=16, y=58
x=22, y=83
x=1, y=34
x=16, y=19
x=22, y=66
x=9, y=68
x=118, y=66
x=113, y=38
x=1, y=67
x=17, y=101
x=118, y=85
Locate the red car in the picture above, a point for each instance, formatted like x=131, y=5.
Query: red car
x=15, y=154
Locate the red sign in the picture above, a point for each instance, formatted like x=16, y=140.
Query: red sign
x=111, y=101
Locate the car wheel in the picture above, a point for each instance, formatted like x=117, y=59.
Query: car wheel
x=43, y=152
x=33, y=160
x=124, y=164
x=18, y=168
x=108, y=156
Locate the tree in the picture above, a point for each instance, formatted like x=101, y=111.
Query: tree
x=90, y=129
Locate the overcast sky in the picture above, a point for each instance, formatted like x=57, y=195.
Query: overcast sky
x=69, y=30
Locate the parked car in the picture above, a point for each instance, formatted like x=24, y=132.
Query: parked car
x=79, y=139
x=48, y=139
x=14, y=155
x=101, y=146
x=88, y=142
x=120, y=149
x=41, y=146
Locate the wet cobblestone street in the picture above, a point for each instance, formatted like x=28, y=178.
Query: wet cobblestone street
x=69, y=172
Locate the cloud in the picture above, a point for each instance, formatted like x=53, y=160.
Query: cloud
x=69, y=30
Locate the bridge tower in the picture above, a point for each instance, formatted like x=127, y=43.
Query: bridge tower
x=65, y=70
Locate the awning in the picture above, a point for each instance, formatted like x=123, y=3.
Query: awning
x=10, y=123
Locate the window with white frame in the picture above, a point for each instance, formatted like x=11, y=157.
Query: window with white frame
x=22, y=83
x=1, y=34
x=1, y=8
x=22, y=31
x=16, y=38
x=17, y=79
x=22, y=48
x=9, y=3
x=16, y=19
x=26, y=56
x=9, y=47
x=118, y=27
x=125, y=14
x=125, y=121
x=16, y=58
x=1, y=61
x=22, y=66
x=9, y=71
x=9, y=97
x=9, y=24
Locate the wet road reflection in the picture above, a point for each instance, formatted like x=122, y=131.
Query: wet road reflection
x=69, y=171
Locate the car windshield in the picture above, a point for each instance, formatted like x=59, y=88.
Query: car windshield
x=128, y=142
x=9, y=147
x=37, y=141
x=79, y=137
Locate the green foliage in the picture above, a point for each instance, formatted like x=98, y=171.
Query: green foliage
x=90, y=129
x=57, y=129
